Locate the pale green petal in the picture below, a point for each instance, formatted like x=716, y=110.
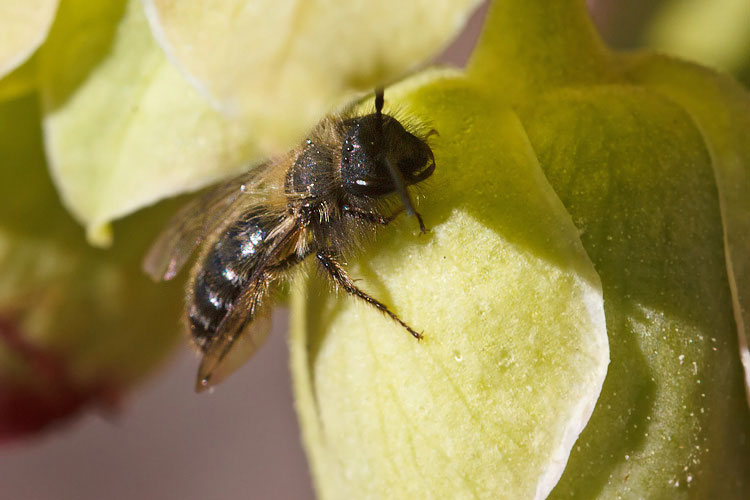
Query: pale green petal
x=515, y=349
x=282, y=64
x=23, y=28
x=123, y=129
x=715, y=32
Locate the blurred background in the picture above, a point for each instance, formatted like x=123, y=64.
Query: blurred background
x=242, y=440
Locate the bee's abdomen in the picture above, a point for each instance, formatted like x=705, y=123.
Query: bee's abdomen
x=227, y=267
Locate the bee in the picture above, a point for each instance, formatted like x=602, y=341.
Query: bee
x=320, y=199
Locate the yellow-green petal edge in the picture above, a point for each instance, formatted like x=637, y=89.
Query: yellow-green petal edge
x=23, y=28
x=283, y=64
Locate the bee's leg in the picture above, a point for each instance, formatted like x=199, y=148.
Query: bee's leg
x=329, y=261
x=292, y=261
x=370, y=216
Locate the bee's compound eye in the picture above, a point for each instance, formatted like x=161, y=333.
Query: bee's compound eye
x=371, y=149
x=363, y=168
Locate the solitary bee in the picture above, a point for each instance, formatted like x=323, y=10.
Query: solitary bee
x=319, y=199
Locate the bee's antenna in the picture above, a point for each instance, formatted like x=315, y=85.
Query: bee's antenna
x=379, y=100
x=398, y=178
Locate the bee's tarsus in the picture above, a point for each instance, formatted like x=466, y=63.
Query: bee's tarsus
x=203, y=383
x=422, y=228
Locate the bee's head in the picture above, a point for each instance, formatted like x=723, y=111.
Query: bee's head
x=380, y=157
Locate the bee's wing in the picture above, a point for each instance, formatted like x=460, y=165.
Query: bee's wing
x=198, y=219
x=239, y=335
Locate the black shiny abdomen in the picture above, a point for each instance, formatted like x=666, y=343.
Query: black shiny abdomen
x=227, y=267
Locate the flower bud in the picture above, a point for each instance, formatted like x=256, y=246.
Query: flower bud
x=78, y=326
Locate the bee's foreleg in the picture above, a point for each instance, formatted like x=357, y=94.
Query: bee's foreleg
x=329, y=260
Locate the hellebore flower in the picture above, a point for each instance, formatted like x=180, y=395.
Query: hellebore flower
x=122, y=127
x=585, y=287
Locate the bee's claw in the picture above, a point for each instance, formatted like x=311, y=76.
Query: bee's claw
x=422, y=228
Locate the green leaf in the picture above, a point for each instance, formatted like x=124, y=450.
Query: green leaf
x=23, y=28
x=281, y=65
x=122, y=127
x=514, y=352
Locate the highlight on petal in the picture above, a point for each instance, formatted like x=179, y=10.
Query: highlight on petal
x=23, y=28
x=123, y=129
x=514, y=350
x=283, y=64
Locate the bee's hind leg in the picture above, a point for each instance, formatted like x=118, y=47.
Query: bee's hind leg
x=329, y=261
